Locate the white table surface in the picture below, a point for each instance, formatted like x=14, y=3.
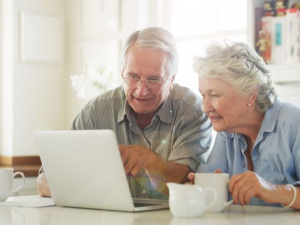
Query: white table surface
x=235, y=214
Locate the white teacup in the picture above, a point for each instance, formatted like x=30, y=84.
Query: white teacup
x=218, y=182
x=189, y=200
x=6, y=179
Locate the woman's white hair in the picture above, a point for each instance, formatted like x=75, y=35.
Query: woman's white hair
x=154, y=38
x=240, y=66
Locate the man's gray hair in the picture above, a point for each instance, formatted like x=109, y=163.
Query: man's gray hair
x=154, y=38
x=238, y=64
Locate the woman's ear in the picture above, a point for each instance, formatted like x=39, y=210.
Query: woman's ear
x=253, y=97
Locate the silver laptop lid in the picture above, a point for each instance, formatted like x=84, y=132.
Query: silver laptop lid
x=84, y=169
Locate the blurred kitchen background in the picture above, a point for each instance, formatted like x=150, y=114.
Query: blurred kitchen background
x=55, y=55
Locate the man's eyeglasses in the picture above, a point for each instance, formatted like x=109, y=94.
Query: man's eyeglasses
x=135, y=81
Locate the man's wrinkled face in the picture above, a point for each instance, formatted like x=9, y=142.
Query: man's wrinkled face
x=146, y=64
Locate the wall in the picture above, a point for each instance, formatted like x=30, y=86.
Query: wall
x=90, y=45
x=32, y=91
x=289, y=92
x=7, y=75
x=1, y=28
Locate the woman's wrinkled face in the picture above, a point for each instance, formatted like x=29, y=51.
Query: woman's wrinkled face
x=224, y=107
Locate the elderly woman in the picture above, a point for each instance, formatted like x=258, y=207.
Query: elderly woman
x=258, y=139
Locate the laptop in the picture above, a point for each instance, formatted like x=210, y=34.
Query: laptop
x=84, y=169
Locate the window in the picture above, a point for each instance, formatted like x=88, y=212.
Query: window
x=195, y=23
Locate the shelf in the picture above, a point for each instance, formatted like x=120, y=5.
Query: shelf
x=281, y=73
x=285, y=73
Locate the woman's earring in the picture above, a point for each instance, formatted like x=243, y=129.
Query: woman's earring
x=249, y=104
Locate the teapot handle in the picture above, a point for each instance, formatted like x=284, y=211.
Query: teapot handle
x=228, y=202
x=214, y=198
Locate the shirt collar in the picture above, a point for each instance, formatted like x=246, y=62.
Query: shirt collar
x=269, y=121
x=123, y=109
x=270, y=118
x=164, y=111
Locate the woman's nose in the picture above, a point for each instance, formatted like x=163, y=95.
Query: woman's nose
x=206, y=105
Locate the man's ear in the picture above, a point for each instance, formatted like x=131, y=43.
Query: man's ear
x=172, y=82
x=173, y=78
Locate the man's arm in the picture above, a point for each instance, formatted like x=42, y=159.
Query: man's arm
x=159, y=170
x=164, y=171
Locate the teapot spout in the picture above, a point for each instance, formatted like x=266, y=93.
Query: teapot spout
x=173, y=186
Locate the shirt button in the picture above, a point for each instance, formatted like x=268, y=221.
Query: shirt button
x=244, y=165
x=144, y=192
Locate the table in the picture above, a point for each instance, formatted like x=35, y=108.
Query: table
x=232, y=215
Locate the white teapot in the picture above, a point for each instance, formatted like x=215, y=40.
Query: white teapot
x=189, y=200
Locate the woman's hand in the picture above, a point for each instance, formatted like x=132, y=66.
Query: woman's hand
x=246, y=185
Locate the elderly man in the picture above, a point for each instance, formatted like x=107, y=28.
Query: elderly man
x=160, y=126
